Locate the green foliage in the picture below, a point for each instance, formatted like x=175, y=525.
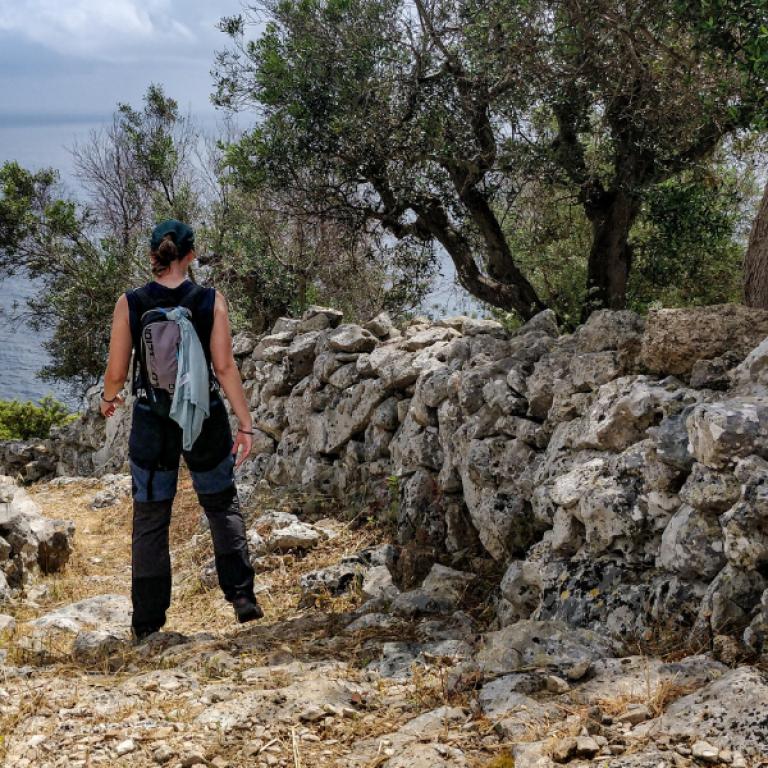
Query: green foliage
x=160, y=142
x=685, y=246
x=25, y=420
x=271, y=260
x=83, y=256
x=738, y=28
x=259, y=288
x=550, y=237
x=149, y=165
x=78, y=275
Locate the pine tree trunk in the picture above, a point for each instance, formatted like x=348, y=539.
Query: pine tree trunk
x=756, y=259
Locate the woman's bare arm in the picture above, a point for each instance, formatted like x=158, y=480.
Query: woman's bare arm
x=120, y=345
x=226, y=371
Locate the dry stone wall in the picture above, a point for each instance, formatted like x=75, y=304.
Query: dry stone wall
x=616, y=476
x=613, y=495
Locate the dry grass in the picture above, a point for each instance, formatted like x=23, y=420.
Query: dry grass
x=657, y=696
x=100, y=562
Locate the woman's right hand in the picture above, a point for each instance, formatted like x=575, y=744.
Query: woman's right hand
x=243, y=443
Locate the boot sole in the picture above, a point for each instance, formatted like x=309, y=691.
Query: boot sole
x=251, y=615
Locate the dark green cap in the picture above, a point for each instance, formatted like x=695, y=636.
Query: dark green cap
x=182, y=235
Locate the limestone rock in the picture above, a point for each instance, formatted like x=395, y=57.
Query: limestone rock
x=351, y=338
x=428, y=337
x=539, y=643
x=745, y=533
x=329, y=431
x=671, y=439
x=675, y=339
x=448, y=582
x=116, y=487
x=728, y=712
x=716, y=373
x=335, y=579
x=285, y=325
x=293, y=536
x=729, y=600
x=394, y=369
x=756, y=634
x=590, y=370
x=243, y=344
x=55, y=633
x=471, y=326
x=544, y=322
x=420, y=510
x=381, y=325
x=719, y=433
x=93, y=646
x=692, y=544
x=624, y=409
x=54, y=546
x=521, y=589
x=414, y=446
x=378, y=583
x=419, y=602
x=608, y=329
x=709, y=490
x=317, y=318
x=299, y=358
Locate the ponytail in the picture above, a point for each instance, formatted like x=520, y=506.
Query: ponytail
x=166, y=253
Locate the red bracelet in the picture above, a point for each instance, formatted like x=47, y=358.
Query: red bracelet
x=245, y=431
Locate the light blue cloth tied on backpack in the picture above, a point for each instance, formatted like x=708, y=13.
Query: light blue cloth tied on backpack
x=191, y=395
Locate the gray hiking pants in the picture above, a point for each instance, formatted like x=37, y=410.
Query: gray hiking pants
x=154, y=453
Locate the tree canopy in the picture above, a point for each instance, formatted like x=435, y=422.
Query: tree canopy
x=433, y=119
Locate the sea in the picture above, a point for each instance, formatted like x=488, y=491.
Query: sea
x=34, y=141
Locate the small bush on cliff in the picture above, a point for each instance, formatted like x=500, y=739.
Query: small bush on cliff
x=24, y=420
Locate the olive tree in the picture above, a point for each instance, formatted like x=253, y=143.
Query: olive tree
x=430, y=118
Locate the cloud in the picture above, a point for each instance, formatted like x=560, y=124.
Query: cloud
x=113, y=30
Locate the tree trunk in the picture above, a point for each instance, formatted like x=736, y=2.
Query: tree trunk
x=507, y=288
x=610, y=257
x=756, y=259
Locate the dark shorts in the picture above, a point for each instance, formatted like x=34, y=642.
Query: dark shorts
x=155, y=446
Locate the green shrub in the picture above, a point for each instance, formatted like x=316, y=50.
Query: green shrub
x=24, y=420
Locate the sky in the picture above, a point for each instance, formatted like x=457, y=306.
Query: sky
x=77, y=58
x=65, y=65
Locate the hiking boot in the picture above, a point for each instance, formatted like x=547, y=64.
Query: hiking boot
x=139, y=634
x=246, y=608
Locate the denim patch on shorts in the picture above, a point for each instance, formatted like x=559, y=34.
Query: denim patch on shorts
x=221, y=477
x=163, y=483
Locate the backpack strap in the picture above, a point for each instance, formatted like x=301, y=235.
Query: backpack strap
x=138, y=300
x=191, y=295
x=187, y=301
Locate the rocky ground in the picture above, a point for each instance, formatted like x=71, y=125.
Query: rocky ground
x=346, y=669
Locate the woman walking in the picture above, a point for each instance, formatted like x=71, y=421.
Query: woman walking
x=194, y=425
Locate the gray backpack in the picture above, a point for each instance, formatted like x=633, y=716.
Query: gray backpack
x=158, y=353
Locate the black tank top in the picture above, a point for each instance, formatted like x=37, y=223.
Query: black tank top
x=154, y=295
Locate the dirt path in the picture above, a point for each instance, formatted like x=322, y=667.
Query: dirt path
x=290, y=690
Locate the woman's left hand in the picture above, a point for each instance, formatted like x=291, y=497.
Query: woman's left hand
x=242, y=441
x=108, y=409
